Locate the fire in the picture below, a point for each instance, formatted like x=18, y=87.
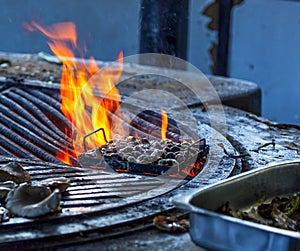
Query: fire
x=164, y=124
x=88, y=93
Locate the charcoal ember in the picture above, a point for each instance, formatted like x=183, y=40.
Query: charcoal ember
x=131, y=139
x=170, y=145
x=138, y=148
x=163, y=154
x=144, y=160
x=86, y=161
x=15, y=172
x=127, y=149
x=148, y=152
x=168, y=162
x=170, y=155
x=175, y=149
x=158, y=154
x=145, y=142
x=167, y=150
x=91, y=154
x=119, y=145
x=131, y=159
x=136, y=154
x=157, y=145
x=91, y=158
x=180, y=157
x=114, y=156
x=108, y=149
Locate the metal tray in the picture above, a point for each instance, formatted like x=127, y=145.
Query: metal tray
x=215, y=231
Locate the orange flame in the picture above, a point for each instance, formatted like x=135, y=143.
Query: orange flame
x=164, y=124
x=63, y=156
x=88, y=94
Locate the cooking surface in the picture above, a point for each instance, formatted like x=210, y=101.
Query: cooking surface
x=251, y=137
x=246, y=132
x=33, y=131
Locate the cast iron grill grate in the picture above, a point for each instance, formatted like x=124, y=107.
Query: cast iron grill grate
x=31, y=123
x=33, y=130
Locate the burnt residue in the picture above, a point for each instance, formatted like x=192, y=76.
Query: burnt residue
x=212, y=11
x=219, y=13
x=213, y=54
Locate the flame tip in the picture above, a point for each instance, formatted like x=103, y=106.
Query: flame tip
x=164, y=124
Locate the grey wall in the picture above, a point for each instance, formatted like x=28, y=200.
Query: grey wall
x=201, y=38
x=265, y=40
x=265, y=48
x=105, y=26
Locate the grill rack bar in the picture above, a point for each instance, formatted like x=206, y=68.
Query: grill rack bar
x=29, y=123
x=80, y=214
